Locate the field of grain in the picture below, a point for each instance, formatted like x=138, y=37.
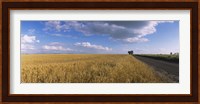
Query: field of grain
x=86, y=68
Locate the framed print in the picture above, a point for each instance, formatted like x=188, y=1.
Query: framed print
x=100, y=51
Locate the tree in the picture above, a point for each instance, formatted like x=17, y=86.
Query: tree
x=130, y=52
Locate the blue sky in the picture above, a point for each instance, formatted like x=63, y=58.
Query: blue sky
x=100, y=37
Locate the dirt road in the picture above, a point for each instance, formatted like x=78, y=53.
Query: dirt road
x=167, y=68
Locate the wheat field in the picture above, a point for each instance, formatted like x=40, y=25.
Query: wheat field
x=86, y=68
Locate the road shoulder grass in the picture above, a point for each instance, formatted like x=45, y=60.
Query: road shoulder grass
x=164, y=57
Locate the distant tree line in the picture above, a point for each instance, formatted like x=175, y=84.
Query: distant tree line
x=176, y=53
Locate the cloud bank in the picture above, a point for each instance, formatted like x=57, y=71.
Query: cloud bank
x=126, y=31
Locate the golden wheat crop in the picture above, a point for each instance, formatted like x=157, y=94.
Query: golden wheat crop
x=86, y=68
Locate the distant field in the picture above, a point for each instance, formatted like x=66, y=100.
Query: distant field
x=164, y=57
x=86, y=68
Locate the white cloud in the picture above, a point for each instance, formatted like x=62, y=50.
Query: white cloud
x=29, y=39
x=28, y=42
x=93, y=46
x=136, y=39
x=55, y=46
x=55, y=26
x=55, y=43
x=148, y=28
x=128, y=31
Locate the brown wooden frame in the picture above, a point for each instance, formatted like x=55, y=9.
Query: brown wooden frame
x=6, y=6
